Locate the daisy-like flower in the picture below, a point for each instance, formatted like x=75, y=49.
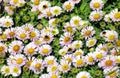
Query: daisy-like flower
x=78, y=44
x=34, y=34
x=96, y=15
x=102, y=47
x=70, y=48
x=37, y=66
x=75, y=21
x=103, y=33
x=96, y=4
x=27, y=27
x=29, y=61
x=46, y=30
x=68, y=6
x=50, y=60
x=118, y=59
x=107, y=18
x=91, y=42
x=115, y=15
x=3, y=37
x=35, y=2
x=48, y=13
x=44, y=76
x=78, y=52
x=44, y=5
x=83, y=74
x=68, y=57
x=45, y=49
x=54, y=75
x=7, y=21
x=114, y=51
x=47, y=37
x=15, y=71
x=82, y=24
x=111, y=36
x=40, y=15
x=88, y=32
x=30, y=49
x=75, y=1
x=64, y=66
x=6, y=70
x=89, y=59
x=3, y=48
x=53, y=68
x=99, y=55
x=9, y=9
x=55, y=31
x=56, y=10
x=15, y=47
x=22, y=34
x=53, y=22
x=69, y=28
x=18, y=60
x=66, y=39
x=62, y=51
x=18, y=3
x=38, y=42
x=78, y=61
x=11, y=32
x=107, y=62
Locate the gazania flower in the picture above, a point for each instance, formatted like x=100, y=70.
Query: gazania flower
x=56, y=10
x=11, y=32
x=77, y=44
x=75, y=21
x=45, y=49
x=30, y=49
x=83, y=74
x=115, y=15
x=6, y=70
x=107, y=62
x=96, y=15
x=50, y=60
x=53, y=68
x=78, y=61
x=66, y=39
x=3, y=48
x=91, y=42
x=89, y=59
x=78, y=52
x=102, y=47
x=15, y=47
x=111, y=36
x=15, y=71
x=68, y=6
x=64, y=66
x=96, y=4
x=88, y=32
x=37, y=66
x=44, y=5
x=75, y=1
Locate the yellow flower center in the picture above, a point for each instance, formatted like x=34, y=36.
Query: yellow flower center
x=1, y=49
x=118, y=43
x=78, y=53
x=69, y=59
x=90, y=59
x=45, y=51
x=96, y=5
x=3, y=36
x=118, y=60
x=79, y=62
x=65, y=67
x=36, y=2
x=38, y=66
x=68, y=6
x=7, y=23
x=113, y=74
x=76, y=22
x=15, y=70
x=32, y=34
x=83, y=76
x=15, y=1
x=49, y=14
x=31, y=50
x=99, y=56
x=54, y=68
x=19, y=61
x=56, y=11
x=54, y=76
x=27, y=29
x=37, y=42
x=117, y=15
x=77, y=45
x=67, y=39
x=69, y=28
x=11, y=34
x=7, y=70
x=29, y=63
x=49, y=62
x=111, y=37
x=91, y=42
x=23, y=35
x=96, y=16
x=108, y=62
x=88, y=32
x=16, y=48
x=103, y=48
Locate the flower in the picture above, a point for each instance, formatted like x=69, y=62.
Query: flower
x=53, y=22
x=34, y=34
x=56, y=10
x=89, y=59
x=83, y=74
x=54, y=75
x=102, y=47
x=75, y=21
x=77, y=44
x=91, y=42
x=69, y=28
x=11, y=32
x=53, y=68
x=48, y=13
x=3, y=48
x=107, y=18
x=96, y=4
x=68, y=57
x=50, y=60
x=15, y=71
x=68, y=6
x=6, y=70
x=78, y=52
x=62, y=51
x=75, y=1
x=78, y=61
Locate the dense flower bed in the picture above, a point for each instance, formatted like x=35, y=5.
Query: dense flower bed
x=59, y=38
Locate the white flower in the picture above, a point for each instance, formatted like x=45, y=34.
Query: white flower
x=9, y=9
x=15, y=71
x=6, y=70
x=34, y=34
x=96, y=15
x=78, y=61
x=11, y=32
x=91, y=42
x=83, y=74
x=96, y=4
x=69, y=28
x=70, y=48
x=50, y=60
x=88, y=32
x=56, y=10
x=78, y=52
x=102, y=47
x=15, y=47
x=62, y=52
x=55, y=31
x=54, y=75
x=44, y=76
x=89, y=59
x=27, y=27
x=77, y=44
x=48, y=13
x=68, y=57
x=53, y=22
x=115, y=15
x=118, y=59
x=45, y=49
x=75, y=1
x=3, y=37
x=75, y=21
x=35, y=2
x=53, y=68
x=68, y=6
x=107, y=18
x=3, y=48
